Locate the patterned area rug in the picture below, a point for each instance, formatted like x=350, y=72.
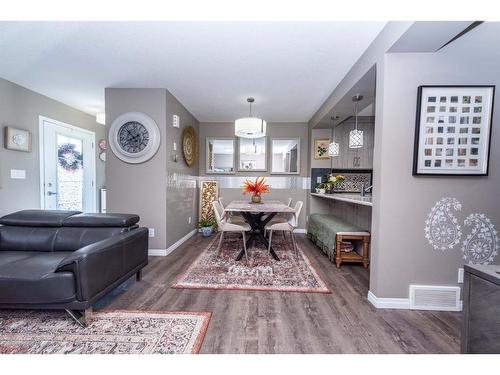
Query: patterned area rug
x=113, y=332
x=294, y=273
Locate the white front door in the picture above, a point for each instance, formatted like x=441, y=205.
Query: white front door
x=67, y=167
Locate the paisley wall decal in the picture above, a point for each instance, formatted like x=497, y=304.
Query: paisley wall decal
x=481, y=244
x=441, y=227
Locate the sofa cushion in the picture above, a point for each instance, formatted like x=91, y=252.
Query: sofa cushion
x=37, y=218
x=74, y=238
x=101, y=220
x=27, y=239
x=29, y=278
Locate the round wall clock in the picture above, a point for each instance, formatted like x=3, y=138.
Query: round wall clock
x=134, y=137
x=189, y=146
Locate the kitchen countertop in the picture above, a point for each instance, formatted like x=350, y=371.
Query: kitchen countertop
x=347, y=197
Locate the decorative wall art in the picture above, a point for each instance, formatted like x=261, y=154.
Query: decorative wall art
x=209, y=192
x=321, y=149
x=441, y=227
x=481, y=245
x=453, y=127
x=17, y=139
x=189, y=145
x=443, y=232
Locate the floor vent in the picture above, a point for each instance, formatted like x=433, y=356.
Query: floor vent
x=432, y=297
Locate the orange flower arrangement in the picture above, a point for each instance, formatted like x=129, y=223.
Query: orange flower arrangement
x=256, y=188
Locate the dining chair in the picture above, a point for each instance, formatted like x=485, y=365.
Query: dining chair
x=226, y=226
x=279, y=217
x=286, y=225
x=234, y=217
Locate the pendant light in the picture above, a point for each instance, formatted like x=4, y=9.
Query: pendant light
x=250, y=127
x=355, y=135
x=333, y=147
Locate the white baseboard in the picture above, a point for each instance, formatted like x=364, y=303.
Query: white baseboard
x=170, y=249
x=395, y=303
x=388, y=303
x=157, y=252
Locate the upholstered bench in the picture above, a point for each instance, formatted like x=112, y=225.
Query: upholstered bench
x=328, y=232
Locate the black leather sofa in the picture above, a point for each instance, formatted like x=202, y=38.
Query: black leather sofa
x=67, y=259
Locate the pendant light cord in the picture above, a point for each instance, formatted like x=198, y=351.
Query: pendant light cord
x=356, y=111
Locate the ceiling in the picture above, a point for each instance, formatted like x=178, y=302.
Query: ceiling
x=211, y=67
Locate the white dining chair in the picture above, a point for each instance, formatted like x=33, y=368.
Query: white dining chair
x=233, y=217
x=225, y=226
x=286, y=225
x=279, y=217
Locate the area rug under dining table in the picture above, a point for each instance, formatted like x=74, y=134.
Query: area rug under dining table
x=111, y=332
x=213, y=270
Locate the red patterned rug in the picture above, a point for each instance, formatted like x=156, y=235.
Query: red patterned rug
x=111, y=332
x=294, y=273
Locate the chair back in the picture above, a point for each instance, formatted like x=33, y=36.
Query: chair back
x=294, y=219
x=289, y=203
x=218, y=211
x=221, y=202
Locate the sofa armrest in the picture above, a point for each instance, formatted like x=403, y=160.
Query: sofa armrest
x=99, y=265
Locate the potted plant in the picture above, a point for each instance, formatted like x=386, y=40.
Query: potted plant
x=256, y=188
x=333, y=180
x=321, y=188
x=207, y=226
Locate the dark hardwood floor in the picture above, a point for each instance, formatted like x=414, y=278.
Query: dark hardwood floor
x=275, y=322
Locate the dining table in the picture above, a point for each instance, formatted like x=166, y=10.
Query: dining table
x=257, y=215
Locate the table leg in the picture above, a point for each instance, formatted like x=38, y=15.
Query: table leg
x=257, y=226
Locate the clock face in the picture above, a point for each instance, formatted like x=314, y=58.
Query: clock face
x=133, y=137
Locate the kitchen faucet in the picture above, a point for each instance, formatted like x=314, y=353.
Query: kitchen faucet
x=364, y=190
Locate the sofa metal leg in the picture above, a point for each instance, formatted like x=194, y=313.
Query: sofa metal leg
x=138, y=275
x=83, y=318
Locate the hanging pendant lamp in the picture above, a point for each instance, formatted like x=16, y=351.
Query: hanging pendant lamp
x=355, y=135
x=250, y=127
x=333, y=147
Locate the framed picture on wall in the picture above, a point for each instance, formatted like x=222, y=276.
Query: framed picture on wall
x=453, y=130
x=321, y=149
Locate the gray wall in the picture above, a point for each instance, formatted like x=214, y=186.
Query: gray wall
x=21, y=108
x=402, y=202
x=182, y=193
x=284, y=185
x=159, y=189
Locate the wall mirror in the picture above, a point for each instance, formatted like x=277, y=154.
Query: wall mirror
x=252, y=154
x=220, y=155
x=285, y=155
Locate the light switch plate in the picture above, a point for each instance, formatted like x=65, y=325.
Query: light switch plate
x=175, y=146
x=175, y=121
x=460, y=275
x=151, y=232
x=18, y=174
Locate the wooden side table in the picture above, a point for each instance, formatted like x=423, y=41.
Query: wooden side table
x=352, y=256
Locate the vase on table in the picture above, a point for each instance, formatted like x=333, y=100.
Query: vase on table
x=256, y=198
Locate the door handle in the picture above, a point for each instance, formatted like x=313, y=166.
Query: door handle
x=49, y=193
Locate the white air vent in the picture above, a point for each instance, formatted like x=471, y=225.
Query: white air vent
x=432, y=297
